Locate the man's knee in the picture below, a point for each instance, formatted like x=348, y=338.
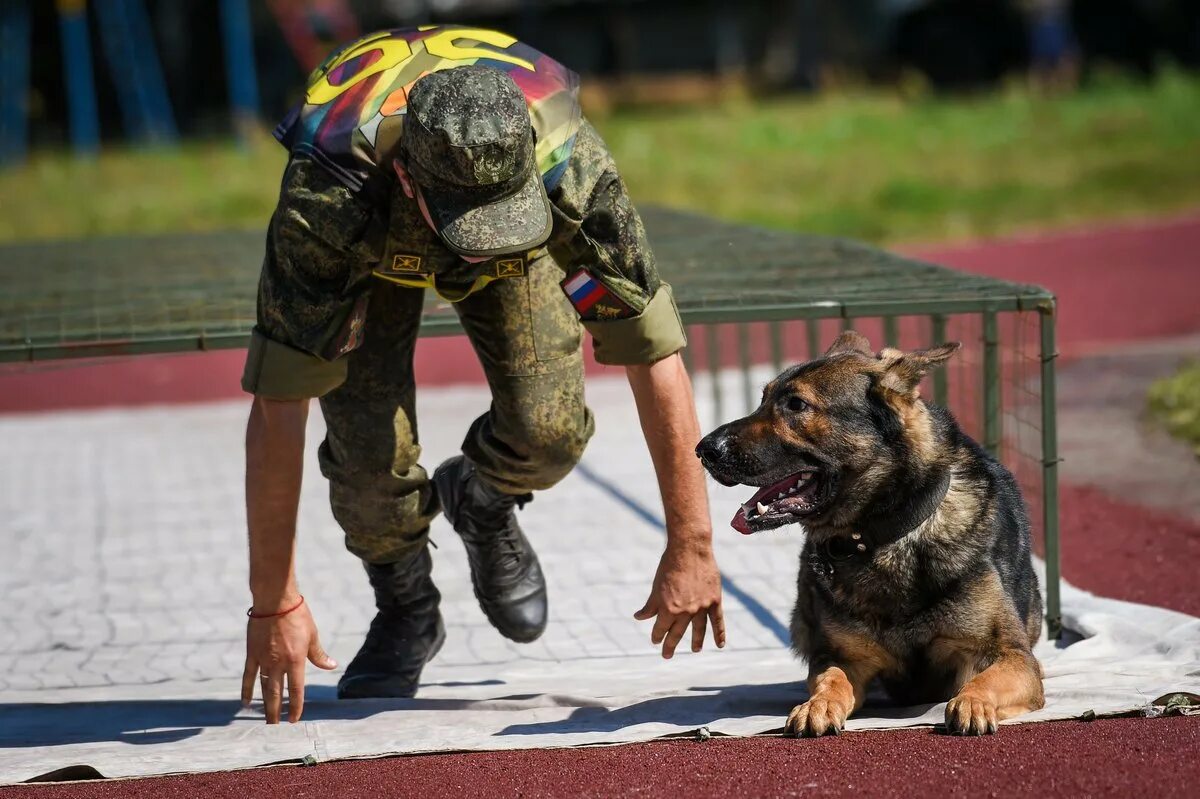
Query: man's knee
x=528, y=451
x=552, y=454
x=382, y=524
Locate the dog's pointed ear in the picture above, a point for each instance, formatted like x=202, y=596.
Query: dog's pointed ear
x=850, y=341
x=903, y=371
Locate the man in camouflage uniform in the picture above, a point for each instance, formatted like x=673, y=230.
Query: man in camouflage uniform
x=495, y=193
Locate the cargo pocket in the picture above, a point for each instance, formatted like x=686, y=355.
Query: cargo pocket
x=557, y=332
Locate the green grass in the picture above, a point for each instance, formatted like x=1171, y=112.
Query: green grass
x=1175, y=403
x=869, y=165
x=202, y=186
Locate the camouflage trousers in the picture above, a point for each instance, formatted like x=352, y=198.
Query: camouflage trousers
x=528, y=340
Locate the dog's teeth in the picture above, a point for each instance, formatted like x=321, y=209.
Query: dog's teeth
x=781, y=495
x=762, y=509
x=856, y=536
x=793, y=489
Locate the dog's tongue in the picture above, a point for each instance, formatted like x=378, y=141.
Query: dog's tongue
x=739, y=523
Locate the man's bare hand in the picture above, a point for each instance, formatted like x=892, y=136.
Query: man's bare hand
x=276, y=649
x=686, y=591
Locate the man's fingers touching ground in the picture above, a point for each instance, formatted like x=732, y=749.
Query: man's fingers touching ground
x=678, y=628
x=717, y=616
x=699, y=627
x=248, y=675
x=272, y=690
x=662, y=626
x=295, y=692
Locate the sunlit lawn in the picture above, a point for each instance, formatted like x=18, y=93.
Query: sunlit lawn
x=1175, y=403
x=868, y=165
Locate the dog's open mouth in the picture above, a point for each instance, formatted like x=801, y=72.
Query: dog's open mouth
x=788, y=501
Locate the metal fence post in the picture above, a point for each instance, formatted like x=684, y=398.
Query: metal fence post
x=713, y=348
x=991, y=383
x=812, y=332
x=941, y=386
x=744, y=363
x=689, y=356
x=891, y=331
x=1049, y=351
x=776, y=330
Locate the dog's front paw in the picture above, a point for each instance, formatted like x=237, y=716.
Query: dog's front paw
x=818, y=716
x=970, y=715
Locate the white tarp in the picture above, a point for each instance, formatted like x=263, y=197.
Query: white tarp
x=124, y=596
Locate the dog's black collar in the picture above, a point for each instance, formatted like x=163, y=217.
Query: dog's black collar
x=884, y=528
x=881, y=530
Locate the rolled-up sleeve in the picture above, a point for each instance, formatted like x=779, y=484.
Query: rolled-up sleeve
x=314, y=287
x=646, y=338
x=600, y=243
x=277, y=371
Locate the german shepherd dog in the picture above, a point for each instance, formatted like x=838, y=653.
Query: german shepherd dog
x=916, y=567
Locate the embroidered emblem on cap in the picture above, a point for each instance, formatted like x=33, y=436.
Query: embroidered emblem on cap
x=488, y=167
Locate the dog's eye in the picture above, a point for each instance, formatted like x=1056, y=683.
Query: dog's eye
x=795, y=404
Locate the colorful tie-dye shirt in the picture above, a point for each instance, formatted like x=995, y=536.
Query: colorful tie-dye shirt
x=351, y=117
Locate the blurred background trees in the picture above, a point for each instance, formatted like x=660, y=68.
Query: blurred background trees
x=174, y=56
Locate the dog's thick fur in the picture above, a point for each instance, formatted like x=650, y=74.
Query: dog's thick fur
x=916, y=568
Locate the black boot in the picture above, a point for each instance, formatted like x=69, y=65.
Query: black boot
x=505, y=572
x=405, y=634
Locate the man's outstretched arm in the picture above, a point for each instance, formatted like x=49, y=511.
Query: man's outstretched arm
x=687, y=585
x=615, y=288
x=312, y=300
x=278, y=646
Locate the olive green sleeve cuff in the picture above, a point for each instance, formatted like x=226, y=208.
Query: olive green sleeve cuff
x=277, y=371
x=644, y=339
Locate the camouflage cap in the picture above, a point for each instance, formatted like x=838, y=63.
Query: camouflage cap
x=468, y=144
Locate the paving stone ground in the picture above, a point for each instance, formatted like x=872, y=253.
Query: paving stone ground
x=124, y=532
x=126, y=567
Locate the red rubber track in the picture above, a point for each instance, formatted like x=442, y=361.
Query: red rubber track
x=1110, y=757
x=1113, y=285
x=1124, y=551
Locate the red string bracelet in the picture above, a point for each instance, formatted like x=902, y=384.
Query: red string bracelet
x=254, y=615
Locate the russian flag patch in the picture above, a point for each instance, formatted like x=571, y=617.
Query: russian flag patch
x=583, y=290
x=592, y=299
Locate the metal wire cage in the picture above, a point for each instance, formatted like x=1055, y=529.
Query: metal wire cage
x=1000, y=387
x=753, y=298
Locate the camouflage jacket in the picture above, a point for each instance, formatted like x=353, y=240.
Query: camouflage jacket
x=342, y=222
x=326, y=251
